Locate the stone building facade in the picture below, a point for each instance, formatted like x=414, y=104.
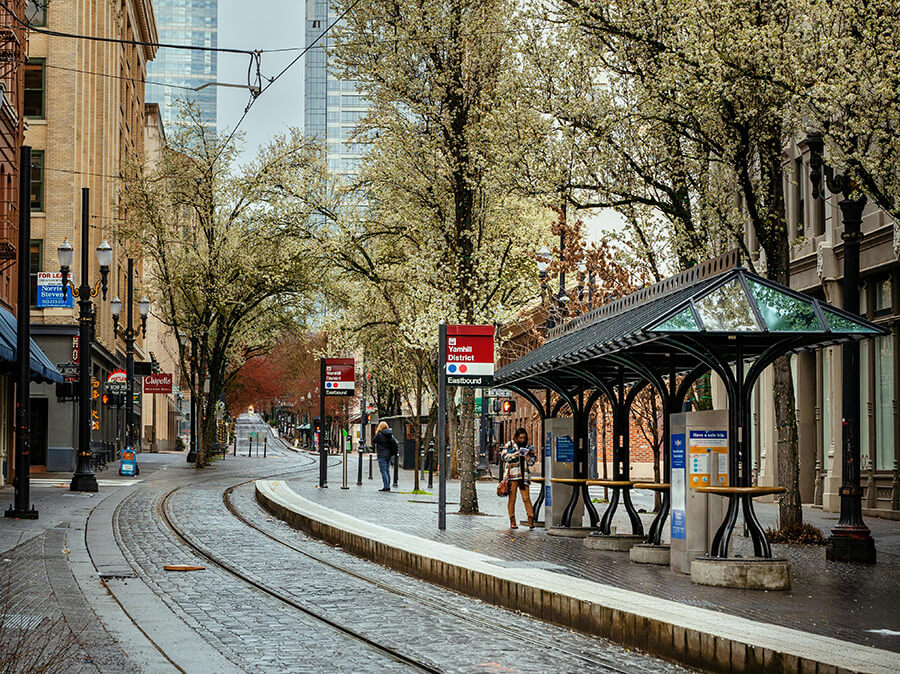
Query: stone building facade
x=815, y=227
x=13, y=44
x=89, y=123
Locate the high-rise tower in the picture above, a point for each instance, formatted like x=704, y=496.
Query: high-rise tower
x=192, y=22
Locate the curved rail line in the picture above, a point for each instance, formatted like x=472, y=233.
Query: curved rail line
x=275, y=594
x=492, y=625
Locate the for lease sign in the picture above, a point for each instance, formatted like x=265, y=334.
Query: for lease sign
x=340, y=377
x=470, y=355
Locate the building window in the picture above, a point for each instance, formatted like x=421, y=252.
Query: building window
x=37, y=260
x=37, y=180
x=34, y=88
x=36, y=12
x=884, y=402
x=883, y=303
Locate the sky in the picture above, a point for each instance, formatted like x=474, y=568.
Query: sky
x=250, y=25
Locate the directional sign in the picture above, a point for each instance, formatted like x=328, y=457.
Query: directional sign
x=499, y=393
x=470, y=355
x=340, y=377
x=68, y=369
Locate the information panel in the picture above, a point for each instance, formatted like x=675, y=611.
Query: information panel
x=678, y=486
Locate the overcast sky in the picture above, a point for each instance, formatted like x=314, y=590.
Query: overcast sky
x=261, y=24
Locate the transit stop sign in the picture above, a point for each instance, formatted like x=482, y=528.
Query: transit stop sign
x=469, y=355
x=340, y=377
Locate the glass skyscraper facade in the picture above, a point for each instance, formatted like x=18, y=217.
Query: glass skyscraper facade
x=332, y=106
x=193, y=22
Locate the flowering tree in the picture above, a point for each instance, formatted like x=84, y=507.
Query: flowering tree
x=222, y=272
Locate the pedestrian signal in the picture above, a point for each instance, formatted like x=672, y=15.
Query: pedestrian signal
x=508, y=406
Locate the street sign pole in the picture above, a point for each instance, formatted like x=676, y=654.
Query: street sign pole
x=323, y=454
x=442, y=426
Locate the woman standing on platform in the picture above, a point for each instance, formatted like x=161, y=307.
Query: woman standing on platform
x=518, y=456
x=386, y=446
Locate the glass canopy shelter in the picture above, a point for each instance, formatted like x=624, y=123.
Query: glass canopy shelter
x=716, y=317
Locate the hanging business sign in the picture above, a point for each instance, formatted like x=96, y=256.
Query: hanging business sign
x=50, y=292
x=117, y=382
x=160, y=382
x=470, y=355
x=340, y=377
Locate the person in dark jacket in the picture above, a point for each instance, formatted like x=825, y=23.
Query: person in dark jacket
x=386, y=447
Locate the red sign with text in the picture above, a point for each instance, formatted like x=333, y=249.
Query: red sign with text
x=340, y=377
x=161, y=382
x=470, y=355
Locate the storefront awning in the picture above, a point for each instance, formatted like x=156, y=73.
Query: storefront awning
x=42, y=370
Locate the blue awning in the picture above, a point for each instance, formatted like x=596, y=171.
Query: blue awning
x=42, y=370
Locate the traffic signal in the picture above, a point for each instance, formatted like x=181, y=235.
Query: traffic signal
x=508, y=406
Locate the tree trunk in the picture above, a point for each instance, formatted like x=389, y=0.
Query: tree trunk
x=418, y=421
x=790, y=511
x=452, y=434
x=468, y=495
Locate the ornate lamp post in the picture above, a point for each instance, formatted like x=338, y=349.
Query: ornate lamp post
x=84, y=479
x=128, y=334
x=850, y=540
x=543, y=266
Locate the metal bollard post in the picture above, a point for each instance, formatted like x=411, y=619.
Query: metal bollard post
x=359, y=451
x=344, y=485
x=370, y=465
x=422, y=462
x=250, y=450
x=431, y=467
x=265, y=445
x=235, y=446
x=396, y=470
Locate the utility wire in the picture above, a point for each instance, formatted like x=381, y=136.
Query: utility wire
x=115, y=40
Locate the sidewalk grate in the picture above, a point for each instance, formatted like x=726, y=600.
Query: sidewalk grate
x=20, y=621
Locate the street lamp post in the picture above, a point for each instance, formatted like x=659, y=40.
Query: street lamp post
x=84, y=478
x=143, y=310
x=850, y=540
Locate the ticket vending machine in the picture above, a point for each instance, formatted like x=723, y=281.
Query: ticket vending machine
x=699, y=457
x=559, y=453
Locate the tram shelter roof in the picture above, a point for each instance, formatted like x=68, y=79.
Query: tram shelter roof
x=717, y=308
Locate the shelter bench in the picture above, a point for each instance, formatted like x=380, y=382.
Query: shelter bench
x=580, y=486
x=623, y=486
x=654, y=535
x=740, y=496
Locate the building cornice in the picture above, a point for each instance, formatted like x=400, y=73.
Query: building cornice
x=144, y=20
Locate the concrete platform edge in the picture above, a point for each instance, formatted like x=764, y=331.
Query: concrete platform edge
x=693, y=636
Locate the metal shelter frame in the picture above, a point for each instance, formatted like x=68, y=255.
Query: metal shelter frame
x=716, y=317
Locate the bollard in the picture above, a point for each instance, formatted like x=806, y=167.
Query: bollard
x=431, y=467
x=235, y=446
x=250, y=450
x=396, y=470
x=359, y=451
x=422, y=462
x=344, y=485
x=370, y=466
x=265, y=445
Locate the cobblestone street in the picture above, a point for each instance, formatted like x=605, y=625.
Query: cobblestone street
x=270, y=599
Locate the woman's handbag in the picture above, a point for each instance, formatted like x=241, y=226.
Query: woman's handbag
x=503, y=487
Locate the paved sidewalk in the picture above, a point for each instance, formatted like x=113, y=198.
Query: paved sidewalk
x=850, y=602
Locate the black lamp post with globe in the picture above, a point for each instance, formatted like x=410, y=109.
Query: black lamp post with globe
x=84, y=478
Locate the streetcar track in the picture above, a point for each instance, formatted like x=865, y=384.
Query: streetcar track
x=528, y=637
x=275, y=594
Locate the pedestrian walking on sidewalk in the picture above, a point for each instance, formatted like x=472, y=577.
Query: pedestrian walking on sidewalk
x=518, y=456
x=386, y=447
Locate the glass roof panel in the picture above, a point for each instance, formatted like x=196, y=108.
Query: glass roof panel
x=727, y=309
x=683, y=321
x=839, y=323
x=783, y=312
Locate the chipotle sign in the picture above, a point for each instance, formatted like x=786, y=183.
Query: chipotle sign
x=160, y=382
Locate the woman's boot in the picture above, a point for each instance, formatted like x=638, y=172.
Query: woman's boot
x=512, y=522
x=531, y=521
